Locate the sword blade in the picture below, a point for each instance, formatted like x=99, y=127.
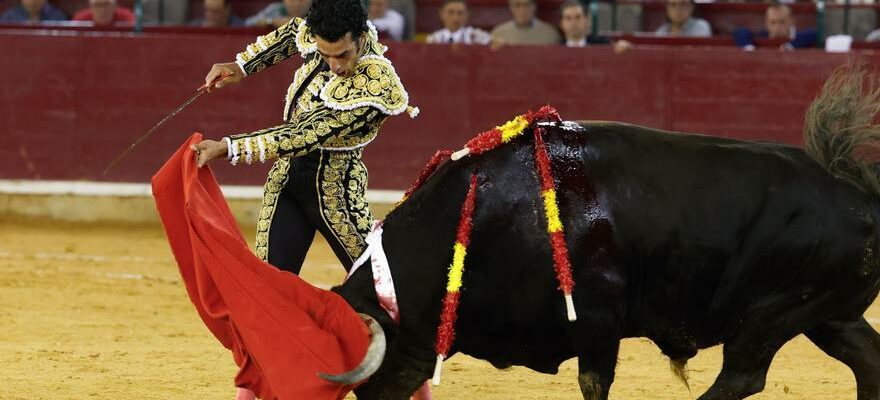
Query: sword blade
x=143, y=137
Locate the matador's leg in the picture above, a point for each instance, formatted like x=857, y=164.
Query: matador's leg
x=284, y=233
x=344, y=215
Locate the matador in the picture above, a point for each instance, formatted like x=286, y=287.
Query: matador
x=339, y=99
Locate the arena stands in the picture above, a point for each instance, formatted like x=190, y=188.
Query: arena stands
x=87, y=89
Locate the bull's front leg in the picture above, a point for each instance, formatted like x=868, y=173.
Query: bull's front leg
x=596, y=339
x=400, y=375
x=596, y=362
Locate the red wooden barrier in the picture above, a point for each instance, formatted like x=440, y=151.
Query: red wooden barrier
x=72, y=101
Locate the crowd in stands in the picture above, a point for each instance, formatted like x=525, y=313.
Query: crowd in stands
x=394, y=19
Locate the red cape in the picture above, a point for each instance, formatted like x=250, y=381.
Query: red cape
x=281, y=330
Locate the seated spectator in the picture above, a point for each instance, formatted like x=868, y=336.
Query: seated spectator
x=680, y=20
x=104, y=13
x=165, y=12
x=454, y=15
x=874, y=36
x=780, y=25
x=279, y=13
x=388, y=22
x=406, y=8
x=524, y=28
x=32, y=11
x=575, y=24
x=218, y=14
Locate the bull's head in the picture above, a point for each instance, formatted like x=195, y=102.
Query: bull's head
x=421, y=276
x=389, y=375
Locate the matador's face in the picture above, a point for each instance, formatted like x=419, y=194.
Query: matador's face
x=341, y=55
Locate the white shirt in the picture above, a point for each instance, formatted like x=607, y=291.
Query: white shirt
x=576, y=43
x=465, y=35
x=391, y=23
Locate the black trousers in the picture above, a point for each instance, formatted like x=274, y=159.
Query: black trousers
x=322, y=191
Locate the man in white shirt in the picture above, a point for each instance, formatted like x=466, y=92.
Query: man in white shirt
x=387, y=21
x=454, y=15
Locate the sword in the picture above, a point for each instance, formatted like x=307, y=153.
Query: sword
x=200, y=91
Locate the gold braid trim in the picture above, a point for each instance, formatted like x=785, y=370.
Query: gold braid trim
x=274, y=184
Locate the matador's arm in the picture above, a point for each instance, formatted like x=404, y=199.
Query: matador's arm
x=274, y=47
x=303, y=135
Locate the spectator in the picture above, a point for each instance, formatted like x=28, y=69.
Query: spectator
x=387, y=21
x=680, y=20
x=165, y=12
x=32, y=11
x=874, y=36
x=279, y=13
x=575, y=24
x=454, y=15
x=524, y=28
x=780, y=25
x=104, y=13
x=218, y=14
x=407, y=8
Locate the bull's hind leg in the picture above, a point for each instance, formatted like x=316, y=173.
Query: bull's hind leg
x=856, y=344
x=744, y=370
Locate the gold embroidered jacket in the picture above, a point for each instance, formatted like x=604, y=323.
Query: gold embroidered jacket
x=332, y=112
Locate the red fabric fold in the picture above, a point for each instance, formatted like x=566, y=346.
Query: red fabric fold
x=281, y=330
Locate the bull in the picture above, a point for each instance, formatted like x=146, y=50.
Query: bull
x=691, y=241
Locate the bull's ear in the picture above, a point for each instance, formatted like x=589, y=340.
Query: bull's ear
x=372, y=360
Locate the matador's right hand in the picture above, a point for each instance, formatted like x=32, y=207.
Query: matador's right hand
x=223, y=74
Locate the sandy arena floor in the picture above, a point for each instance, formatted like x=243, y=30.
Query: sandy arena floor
x=99, y=312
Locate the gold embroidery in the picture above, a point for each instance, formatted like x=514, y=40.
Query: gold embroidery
x=271, y=48
x=301, y=74
x=343, y=205
x=373, y=45
x=305, y=41
x=274, y=184
x=346, y=139
x=357, y=186
x=374, y=84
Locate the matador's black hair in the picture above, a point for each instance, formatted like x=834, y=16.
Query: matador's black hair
x=332, y=19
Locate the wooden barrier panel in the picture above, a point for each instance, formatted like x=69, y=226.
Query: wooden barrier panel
x=71, y=101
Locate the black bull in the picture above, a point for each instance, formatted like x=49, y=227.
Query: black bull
x=691, y=241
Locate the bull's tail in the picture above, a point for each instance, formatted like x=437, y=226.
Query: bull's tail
x=840, y=131
x=680, y=371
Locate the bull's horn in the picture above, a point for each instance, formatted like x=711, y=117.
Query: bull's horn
x=372, y=360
